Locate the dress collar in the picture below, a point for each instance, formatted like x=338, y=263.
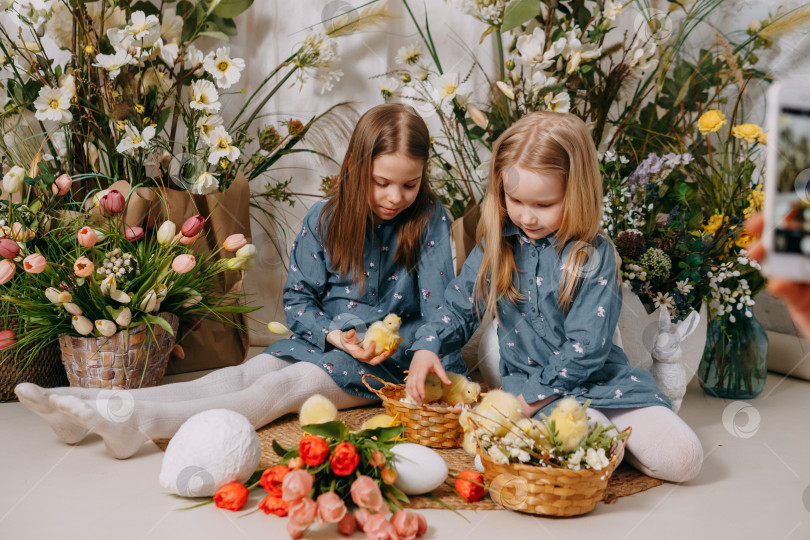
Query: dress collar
x=510, y=229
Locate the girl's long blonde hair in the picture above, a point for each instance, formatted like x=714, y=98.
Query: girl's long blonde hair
x=545, y=143
x=384, y=129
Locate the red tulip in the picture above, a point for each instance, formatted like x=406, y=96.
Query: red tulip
x=61, y=185
x=7, y=339
x=192, y=226
x=113, y=202
x=9, y=249
x=133, y=233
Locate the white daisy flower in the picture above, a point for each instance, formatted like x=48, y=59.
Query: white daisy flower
x=684, y=287
x=225, y=70
x=531, y=49
x=221, y=147
x=409, y=54
x=142, y=28
x=388, y=85
x=575, y=51
x=133, y=139
x=113, y=62
x=206, y=183
x=206, y=125
x=204, y=96
x=194, y=57
x=612, y=10
x=665, y=300
x=53, y=104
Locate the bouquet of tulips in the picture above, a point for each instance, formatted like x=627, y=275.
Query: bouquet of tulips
x=87, y=273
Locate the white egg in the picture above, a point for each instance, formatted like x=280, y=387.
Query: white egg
x=209, y=450
x=419, y=469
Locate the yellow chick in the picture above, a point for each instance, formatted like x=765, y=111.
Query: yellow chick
x=570, y=422
x=536, y=431
x=378, y=420
x=317, y=410
x=433, y=389
x=468, y=443
x=460, y=390
x=497, y=412
x=384, y=334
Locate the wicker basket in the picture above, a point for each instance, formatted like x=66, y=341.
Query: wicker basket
x=44, y=370
x=130, y=359
x=427, y=425
x=550, y=491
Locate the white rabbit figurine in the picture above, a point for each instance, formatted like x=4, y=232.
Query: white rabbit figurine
x=669, y=370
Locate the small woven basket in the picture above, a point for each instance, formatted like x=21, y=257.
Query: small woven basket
x=550, y=491
x=45, y=370
x=131, y=358
x=427, y=425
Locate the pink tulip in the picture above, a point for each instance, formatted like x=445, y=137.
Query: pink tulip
x=366, y=494
x=234, y=242
x=378, y=528
x=347, y=525
x=296, y=485
x=406, y=523
x=193, y=226
x=296, y=531
x=302, y=511
x=183, y=263
x=133, y=233
x=61, y=185
x=9, y=248
x=331, y=508
x=83, y=267
x=87, y=237
x=34, y=263
x=18, y=232
x=361, y=515
x=113, y=202
x=188, y=240
x=7, y=269
x=7, y=339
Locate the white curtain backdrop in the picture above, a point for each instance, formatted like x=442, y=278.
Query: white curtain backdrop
x=269, y=31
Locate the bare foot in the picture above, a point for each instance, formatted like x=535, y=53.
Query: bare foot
x=121, y=440
x=35, y=399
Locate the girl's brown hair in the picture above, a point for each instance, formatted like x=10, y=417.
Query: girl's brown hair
x=545, y=143
x=385, y=129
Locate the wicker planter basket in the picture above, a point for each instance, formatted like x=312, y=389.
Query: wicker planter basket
x=550, y=491
x=45, y=370
x=427, y=425
x=130, y=359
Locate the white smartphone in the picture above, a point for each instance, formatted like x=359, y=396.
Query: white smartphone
x=787, y=182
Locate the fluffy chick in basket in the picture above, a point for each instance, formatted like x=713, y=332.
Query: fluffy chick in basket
x=497, y=413
x=570, y=423
x=317, y=409
x=460, y=390
x=433, y=389
x=384, y=334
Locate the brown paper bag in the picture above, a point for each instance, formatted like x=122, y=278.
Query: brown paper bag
x=214, y=344
x=463, y=231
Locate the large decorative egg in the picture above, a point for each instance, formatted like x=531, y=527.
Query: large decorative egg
x=419, y=468
x=209, y=450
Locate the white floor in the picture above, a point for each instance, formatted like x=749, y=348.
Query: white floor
x=755, y=483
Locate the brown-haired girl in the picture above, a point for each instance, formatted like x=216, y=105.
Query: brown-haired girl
x=550, y=276
x=380, y=245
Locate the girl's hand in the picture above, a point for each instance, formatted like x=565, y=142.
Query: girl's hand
x=423, y=363
x=351, y=343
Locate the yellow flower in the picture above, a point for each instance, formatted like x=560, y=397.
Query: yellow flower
x=749, y=132
x=754, y=202
x=763, y=138
x=711, y=120
x=89, y=50
x=139, y=108
x=714, y=223
x=743, y=240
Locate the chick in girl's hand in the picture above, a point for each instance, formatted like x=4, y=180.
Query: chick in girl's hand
x=384, y=334
x=570, y=423
x=433, y=389
x=460, y=390
x=317, y=410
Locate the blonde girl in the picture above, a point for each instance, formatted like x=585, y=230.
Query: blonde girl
x=550, y=276
x=380, y=245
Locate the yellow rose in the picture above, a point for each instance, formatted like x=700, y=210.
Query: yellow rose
x=749, y=132
x=743, y=240
x=763, y=138
x=711, y=120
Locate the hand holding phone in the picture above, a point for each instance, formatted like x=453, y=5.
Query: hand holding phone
x=786, y=234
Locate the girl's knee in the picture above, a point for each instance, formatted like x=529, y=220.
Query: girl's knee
x=678, y=459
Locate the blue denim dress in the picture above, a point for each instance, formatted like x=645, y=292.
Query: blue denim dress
x=318, y=300
x=545, y=351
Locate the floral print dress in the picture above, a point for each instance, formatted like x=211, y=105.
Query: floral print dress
x=543, y=351
x=318, y=300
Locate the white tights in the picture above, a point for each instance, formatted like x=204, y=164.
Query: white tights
x=262, y=389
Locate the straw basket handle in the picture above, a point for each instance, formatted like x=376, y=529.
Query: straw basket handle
x=376, y=392
x=629, y=430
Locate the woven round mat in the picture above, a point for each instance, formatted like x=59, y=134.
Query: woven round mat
x=287, y=432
